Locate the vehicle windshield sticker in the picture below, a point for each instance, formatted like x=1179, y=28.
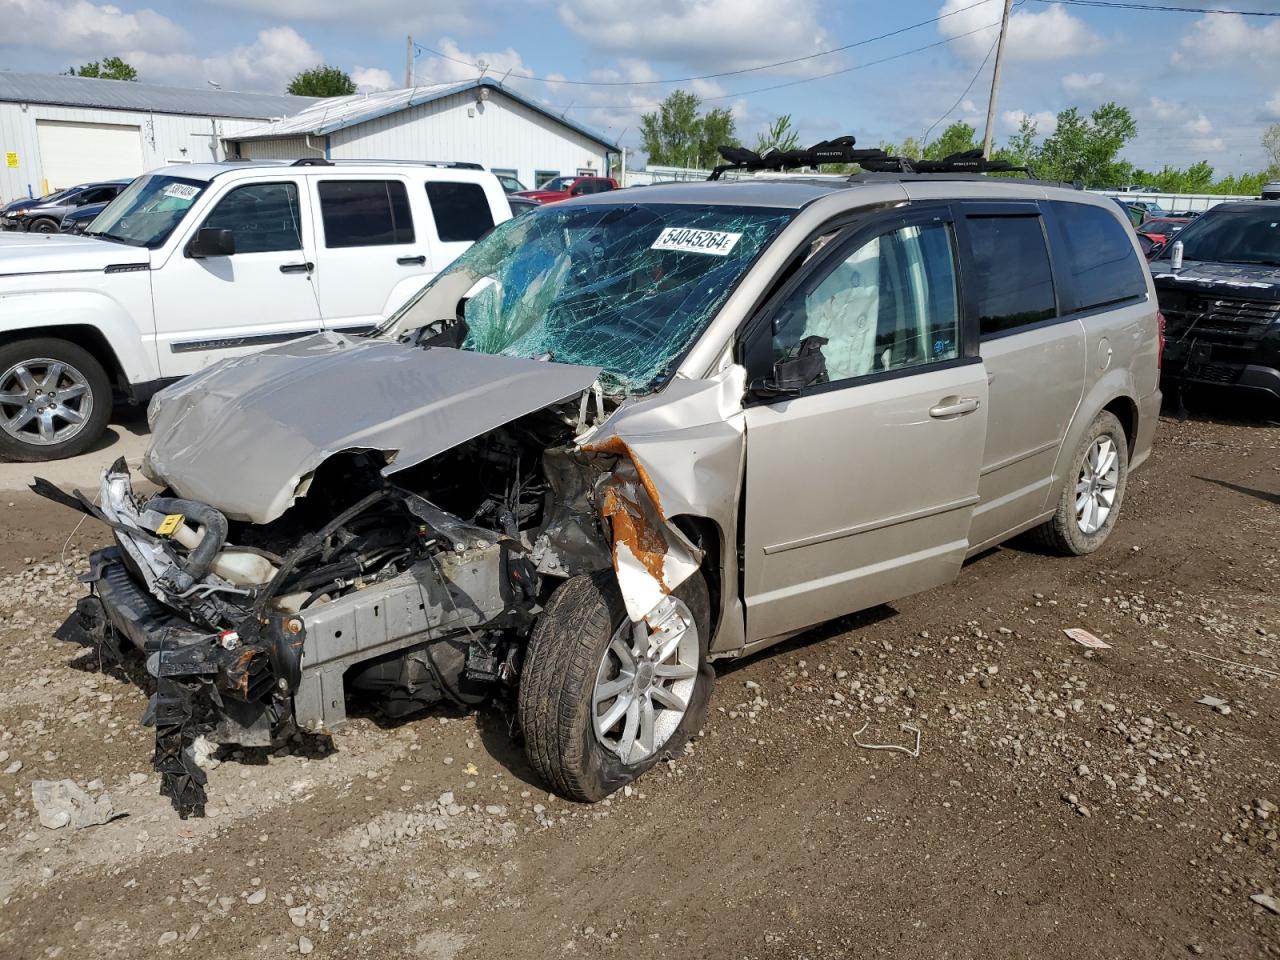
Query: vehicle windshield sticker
x=182, y=191
x=717, y=243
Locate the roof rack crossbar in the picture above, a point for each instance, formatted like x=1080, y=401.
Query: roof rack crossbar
x=838, y=150
x=445, y=164
x=968, y=161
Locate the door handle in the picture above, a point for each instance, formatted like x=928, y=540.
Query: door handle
x=949, y=407
x=297, y=267
x=419, y=260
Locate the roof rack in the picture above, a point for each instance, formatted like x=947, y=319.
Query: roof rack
x=447, y=164
x=841, y=150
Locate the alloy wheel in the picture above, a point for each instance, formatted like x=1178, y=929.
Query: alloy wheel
x=1096, y=485
x=43, y=401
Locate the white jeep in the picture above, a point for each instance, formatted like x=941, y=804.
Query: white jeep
x=195, y=263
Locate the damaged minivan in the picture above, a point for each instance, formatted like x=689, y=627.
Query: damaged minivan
x=619, y=438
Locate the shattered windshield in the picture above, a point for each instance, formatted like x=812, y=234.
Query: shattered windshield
x=626, y=287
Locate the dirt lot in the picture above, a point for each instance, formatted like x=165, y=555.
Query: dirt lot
x=1065, y=803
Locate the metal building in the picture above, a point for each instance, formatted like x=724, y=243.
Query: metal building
x=480, y=121
x=58, y=131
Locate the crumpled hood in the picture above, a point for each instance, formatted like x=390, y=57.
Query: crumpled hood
x=1250, y=281
x=243, y=434
x=27, y=253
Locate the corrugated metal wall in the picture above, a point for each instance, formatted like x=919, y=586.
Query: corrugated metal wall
x=282, y=148
x=166, y=138
x=498, y=133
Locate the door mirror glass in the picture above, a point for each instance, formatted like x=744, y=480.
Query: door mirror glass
x=212, y=242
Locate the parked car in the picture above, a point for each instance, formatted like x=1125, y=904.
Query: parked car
x=76, y=221
x=1271, y=190
x=194, y=263
x=510, y=184
x=9, y=212
x=562, y=188
x=1161, y=230
x=1223, y=303
x=620, y=439
x=1135, y=214
x=46, y=215
x=521, y=205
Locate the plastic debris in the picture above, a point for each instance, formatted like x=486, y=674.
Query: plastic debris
x=1266, y=900
x=1215, y=703
x=909, y=751
x=1086, y=639
x=62, y=802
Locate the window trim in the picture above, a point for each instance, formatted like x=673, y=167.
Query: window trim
x=1007, y=209
x=299, y=195
x=756, y=335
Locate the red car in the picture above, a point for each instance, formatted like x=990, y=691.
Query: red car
x=1162, y=229
x=562, y=188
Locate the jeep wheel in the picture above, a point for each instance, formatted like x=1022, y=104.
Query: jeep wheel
x=1091, y=497
x=601, y=699
x=44, y=225
x=54, y=400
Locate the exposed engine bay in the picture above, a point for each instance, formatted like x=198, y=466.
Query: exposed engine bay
x=254, y=631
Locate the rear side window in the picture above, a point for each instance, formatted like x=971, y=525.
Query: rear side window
x=365, y=213
x=263, y=217
x=461, y=210
x=1012, y=278
x=1100, y=258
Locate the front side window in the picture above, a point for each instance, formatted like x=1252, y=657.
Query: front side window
x=1012, y=276
x=261, y=216
x=1100, y=256
x=626, y=287
x=461, y=211
x=147, y=211
x=889, y=304
x=365, y=213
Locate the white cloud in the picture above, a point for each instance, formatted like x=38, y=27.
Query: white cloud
x=1208, y=144
x=1230, y=38
x=1273, y=107
x=373, y=79
x=1082, y=82
x=269, y=63
x=458, y=65
x=1048, y=34
x=1046, y=121
x=386, y=16
x=711, y=34
x=78, y=26
x=1199, y=125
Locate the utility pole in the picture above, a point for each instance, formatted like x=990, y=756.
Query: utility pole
x=408, y=61
x=995, y=81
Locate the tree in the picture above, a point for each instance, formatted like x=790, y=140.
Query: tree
x=1022, y=150
x=1271, y=143
x=675, y=135
x=323, y=81
x=1087, y=148
x=111, y=68
x=910, y=148
x=779, y=135
x=957, y=138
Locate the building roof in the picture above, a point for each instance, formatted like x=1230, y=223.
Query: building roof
x=337, y=113
x=146, y=97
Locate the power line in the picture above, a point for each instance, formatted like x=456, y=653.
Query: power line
x=1161, y=7
x=924, y=140
x=726, y=73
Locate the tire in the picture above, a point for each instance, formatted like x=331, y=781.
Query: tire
x=570, y=651
x=81, y=389
x=1068, y=532
x=43, y=225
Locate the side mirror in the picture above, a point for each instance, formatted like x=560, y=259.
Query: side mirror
x=212, y=243
x=792, y=374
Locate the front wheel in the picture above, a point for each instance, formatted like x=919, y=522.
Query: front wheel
x=602, y=699
x=43, y=226
x=55, y=400
x=1094, y=489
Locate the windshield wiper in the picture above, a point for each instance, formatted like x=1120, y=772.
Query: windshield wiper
x=112, y=237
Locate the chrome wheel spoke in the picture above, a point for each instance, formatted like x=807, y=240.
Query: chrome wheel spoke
x=669, y=699
x=52, y=374
x=13, y=398
x=674, y=671
x=23, y=417
x=75, y=390
x=25, y=378
x=614, y=713
x=647, y=711
x=623, y=653
x=630, y=728
x=608, y=690
x=47, y=429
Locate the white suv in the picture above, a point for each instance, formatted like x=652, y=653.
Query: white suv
x=195, y=263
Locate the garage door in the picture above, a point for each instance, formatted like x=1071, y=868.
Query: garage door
x=72, y=153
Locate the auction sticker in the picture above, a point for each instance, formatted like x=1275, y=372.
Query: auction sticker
x=181, y=191
x=716, y=243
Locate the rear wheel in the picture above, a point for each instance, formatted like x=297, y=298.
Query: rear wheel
x=1090, y=500
x=603, y=699
x=44, y=225
x=55, y=400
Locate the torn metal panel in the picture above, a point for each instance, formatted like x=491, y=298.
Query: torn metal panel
x=246, y=433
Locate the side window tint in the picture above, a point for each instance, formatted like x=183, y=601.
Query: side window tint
x=1100, y=256
x=889, y=304
x=1012, y=277
x=262, y=217
x=461, y=211
x=365, y=213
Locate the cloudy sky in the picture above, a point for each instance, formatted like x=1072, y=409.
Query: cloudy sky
x=1200, y=86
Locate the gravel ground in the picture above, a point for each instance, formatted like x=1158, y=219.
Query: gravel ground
x=1065, y=802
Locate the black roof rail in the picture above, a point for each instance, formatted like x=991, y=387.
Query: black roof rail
x=312, y=162
x=968, y=161
x=449, y=164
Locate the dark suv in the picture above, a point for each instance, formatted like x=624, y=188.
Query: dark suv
x=46, y=215
x=1222, y=303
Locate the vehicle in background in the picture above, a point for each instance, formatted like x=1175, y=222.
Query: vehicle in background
x=1150, y=207
x=1135, y=214
x=623, y=437
x=9, y=212
x=1222, y=304
x=46, y=215
x=194, y=263
x=521, y=205
x=1271, y=191
x=1148, y=246
x=1161, y=230
x=77, y=220
x=562, y=188
x=509, y=183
